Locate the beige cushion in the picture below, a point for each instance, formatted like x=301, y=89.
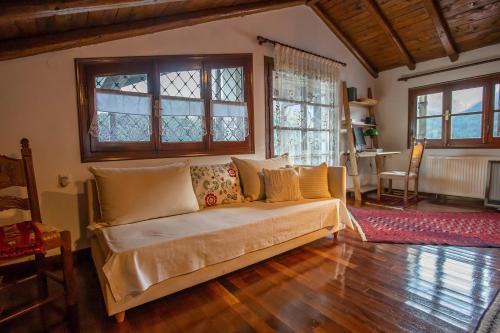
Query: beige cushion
x=314, y=182
x=251, y=176
x=282, y=185
x=129, y=195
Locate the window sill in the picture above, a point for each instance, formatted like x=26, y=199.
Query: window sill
x=137, y=155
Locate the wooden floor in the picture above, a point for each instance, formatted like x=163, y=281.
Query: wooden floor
x=326, y=286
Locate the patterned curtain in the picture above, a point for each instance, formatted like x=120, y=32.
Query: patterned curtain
x=306, y=114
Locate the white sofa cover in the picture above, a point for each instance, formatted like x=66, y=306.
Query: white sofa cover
x=141, y=254
x=143, y=261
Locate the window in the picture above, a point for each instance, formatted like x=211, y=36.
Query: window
x=300, y=117
x=165, y=106
x=459, y=114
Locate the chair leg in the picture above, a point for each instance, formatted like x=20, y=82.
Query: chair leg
x=405, y=197
x=43, y=290
x=69, y=278
x=416, y=188
x=379, y=188
x=390, y=186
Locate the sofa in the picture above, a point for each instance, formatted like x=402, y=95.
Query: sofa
x=143, y=261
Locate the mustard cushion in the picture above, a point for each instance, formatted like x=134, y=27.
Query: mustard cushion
x=314, y=182
x=251, y=176
x=282, y=185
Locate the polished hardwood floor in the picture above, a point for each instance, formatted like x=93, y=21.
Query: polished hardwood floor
x=326, y=286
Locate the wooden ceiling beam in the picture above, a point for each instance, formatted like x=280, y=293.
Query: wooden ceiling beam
x=375, y=10
x=442, y=29
x=25, y=10
x=344, y=39
x=35, y=45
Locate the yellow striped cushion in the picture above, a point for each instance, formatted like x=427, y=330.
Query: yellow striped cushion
x=314, y=182
x=281, y=185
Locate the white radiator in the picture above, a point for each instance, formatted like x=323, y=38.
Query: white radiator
x=463, y=176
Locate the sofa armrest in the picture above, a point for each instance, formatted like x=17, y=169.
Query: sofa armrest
x=337, y=182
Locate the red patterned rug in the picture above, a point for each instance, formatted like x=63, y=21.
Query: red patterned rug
x=481, y=229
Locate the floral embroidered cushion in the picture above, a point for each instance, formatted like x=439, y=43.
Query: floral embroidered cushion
x=216, y=184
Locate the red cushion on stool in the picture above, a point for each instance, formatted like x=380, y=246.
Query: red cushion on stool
x=20, y=239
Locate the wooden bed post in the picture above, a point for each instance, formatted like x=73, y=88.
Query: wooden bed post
x=120, y=317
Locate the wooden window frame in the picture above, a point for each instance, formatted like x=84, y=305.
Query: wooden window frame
x=269, y=107
x=92, y=151
x=268, y=97
x=485, y=141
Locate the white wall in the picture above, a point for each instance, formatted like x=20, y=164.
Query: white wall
x=392, y=111
x=38, y=97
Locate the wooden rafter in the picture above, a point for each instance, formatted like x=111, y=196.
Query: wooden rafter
x=76, y=38
x=344, y=39
x=374, y=8
x=23, y=10
x=442, y=29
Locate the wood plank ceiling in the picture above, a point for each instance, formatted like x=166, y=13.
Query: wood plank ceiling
x=382, y=34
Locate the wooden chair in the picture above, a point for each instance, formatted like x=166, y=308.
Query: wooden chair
x=19, y=172
x=417, y=151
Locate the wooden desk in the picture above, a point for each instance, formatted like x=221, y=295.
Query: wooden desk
x=379, y=165
x=362, y=154
x=374, y=154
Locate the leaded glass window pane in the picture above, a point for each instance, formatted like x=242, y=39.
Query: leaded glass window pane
x=181, y=84
x=182, y=109
x=123, y=109
x=229, y=110
x=228, y=84
x=229, y=121
x=182, y=120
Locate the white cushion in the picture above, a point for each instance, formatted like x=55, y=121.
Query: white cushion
x=251, y=176
x=129, y=195
x=314, y=182
x=282, y=185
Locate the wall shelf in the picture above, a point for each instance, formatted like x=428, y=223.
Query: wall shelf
x=357, y=124
x=367, y=103
x=352, y=156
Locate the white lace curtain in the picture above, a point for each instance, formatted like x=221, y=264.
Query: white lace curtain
x=306, y=115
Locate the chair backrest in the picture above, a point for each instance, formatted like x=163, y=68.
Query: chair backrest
x=19, y=172
x=417, y=151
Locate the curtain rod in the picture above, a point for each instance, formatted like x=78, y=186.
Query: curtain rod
x=409, y=77
x=263, y=40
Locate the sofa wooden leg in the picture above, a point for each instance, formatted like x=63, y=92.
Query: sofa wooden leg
x=120, y=317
